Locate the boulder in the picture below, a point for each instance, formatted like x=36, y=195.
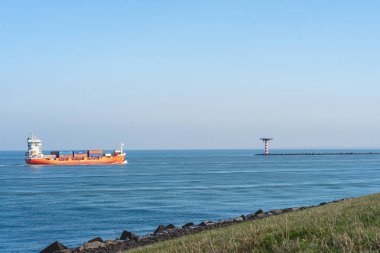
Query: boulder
x=96, y=239
x=258, y=214
x=187, y=225
x=92, y=245
x=261, y=215
x=268, y=214
x=240, y=218
x=251, y=216
x=206, y=223
x=277, y=211
x=55, y=246
x=224, y=222
x=170, y=226
x=159, y=229
x=126, y=235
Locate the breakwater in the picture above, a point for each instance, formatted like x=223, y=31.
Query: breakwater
x=129, y=240
x=321, y=154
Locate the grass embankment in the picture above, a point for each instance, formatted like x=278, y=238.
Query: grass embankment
x=349, y=226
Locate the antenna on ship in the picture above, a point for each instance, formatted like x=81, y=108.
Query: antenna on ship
x=266, y=140
x=32, y=136
x=121, y=148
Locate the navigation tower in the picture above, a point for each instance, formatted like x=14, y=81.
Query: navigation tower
x=266, y=142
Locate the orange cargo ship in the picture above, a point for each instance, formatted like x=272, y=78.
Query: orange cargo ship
x=34, y=156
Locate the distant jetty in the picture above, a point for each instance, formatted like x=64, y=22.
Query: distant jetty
x=321, y=154
x=266, y=152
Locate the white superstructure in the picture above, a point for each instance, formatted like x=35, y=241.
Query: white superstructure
x=34, y=147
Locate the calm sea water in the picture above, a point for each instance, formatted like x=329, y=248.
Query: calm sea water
x=42, y=204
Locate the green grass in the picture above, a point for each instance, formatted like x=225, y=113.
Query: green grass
x=349, y=226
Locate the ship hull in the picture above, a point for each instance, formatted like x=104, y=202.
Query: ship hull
x=119, y=159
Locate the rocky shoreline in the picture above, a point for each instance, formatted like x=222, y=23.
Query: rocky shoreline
x=128, y=240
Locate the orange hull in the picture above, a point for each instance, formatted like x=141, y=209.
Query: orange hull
x=119, y=159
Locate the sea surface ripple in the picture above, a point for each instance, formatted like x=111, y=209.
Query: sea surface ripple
x=42, y=204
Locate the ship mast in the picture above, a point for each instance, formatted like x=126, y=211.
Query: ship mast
x=121, y=148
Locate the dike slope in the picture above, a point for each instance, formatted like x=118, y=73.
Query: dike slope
x=346, y=225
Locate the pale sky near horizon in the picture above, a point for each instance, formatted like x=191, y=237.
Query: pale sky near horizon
x=190, y=74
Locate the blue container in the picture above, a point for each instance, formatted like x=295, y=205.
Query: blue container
x=79, y=152
x=65, y=152
x=95, y=155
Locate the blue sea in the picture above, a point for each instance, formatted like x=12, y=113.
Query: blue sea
x=42, y=204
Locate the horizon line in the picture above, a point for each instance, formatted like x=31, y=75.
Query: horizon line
x=252, y=148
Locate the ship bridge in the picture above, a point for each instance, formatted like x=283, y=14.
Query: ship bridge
x=34, y=147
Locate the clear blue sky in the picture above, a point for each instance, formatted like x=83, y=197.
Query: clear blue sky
x=190, y=74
